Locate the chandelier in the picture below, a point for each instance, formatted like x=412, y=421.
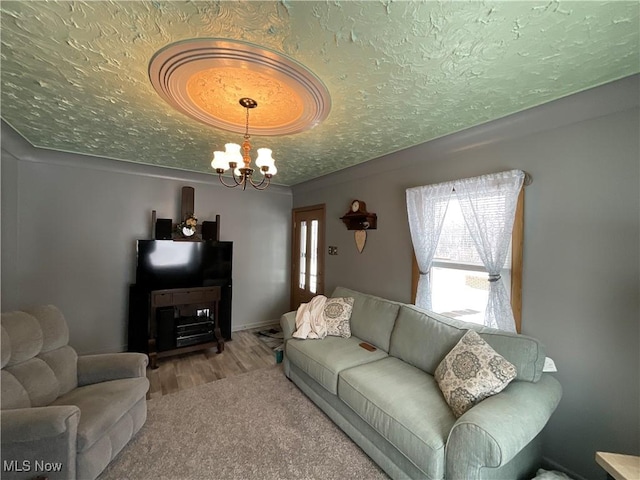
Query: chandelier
x=232, y=157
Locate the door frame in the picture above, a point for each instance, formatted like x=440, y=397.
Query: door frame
x=321, y=248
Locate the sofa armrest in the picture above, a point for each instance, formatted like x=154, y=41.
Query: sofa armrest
x=490, y=434
x=110, y=366
x=288, y=324
x=33, y=436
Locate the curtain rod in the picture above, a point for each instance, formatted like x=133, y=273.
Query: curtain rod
x=528, y=180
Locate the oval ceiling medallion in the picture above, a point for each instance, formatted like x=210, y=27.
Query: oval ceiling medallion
x=204, y=78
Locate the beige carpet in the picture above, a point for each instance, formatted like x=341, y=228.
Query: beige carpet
x=252, y=426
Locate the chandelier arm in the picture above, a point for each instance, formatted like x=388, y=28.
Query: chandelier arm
x=258, y=186
x=235, y=180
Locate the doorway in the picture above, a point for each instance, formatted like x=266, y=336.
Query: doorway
x=307, y=255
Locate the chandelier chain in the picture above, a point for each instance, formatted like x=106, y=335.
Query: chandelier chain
x=246, y=128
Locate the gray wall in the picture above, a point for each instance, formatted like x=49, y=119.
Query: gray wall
x=70, y=225
x=581, y=253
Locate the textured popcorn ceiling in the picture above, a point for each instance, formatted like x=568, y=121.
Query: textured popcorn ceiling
x=74, y=74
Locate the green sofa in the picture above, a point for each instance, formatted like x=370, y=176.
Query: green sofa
x=64, y=416
x=389, y=403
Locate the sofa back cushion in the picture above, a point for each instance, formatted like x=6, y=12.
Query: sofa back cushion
x=12, y=393
x=55, y=332
x=37, y=363
x=37, y=379
x=24, y=334
x=372, y=318
x=423, y=339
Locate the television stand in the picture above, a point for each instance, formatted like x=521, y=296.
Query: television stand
x=183, y=316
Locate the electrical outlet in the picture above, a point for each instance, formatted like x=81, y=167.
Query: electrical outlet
x=333, y=250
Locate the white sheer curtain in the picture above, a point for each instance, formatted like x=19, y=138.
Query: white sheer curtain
x=426, y=208
x=488, y=204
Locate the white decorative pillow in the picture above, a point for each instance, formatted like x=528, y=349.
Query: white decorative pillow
x=337, y=313
x=471, y=372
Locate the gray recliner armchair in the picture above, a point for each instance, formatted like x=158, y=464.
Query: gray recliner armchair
x=64, y=416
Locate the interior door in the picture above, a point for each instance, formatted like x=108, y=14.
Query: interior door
x=307, y=262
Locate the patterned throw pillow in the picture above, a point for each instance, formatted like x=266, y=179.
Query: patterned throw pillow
x=471, y=372
x=337, y=312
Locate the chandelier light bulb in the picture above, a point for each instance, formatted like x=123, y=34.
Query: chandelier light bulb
x=232, y=153
x=220, y=161
x=265, y=160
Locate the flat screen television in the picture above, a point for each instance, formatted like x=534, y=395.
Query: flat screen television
x=164, y=264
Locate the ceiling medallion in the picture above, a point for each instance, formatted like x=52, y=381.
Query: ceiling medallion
x=204, y=77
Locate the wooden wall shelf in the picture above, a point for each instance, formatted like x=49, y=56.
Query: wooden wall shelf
x=357, y=218
x=360, y=221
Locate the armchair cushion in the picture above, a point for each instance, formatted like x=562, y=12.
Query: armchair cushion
x=102, y=405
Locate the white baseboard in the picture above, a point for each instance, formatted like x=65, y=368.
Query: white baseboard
x=250, y=326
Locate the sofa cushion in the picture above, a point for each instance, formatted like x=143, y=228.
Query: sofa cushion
x=423, y=339
x=404, y=405
x=324, y=359
x=5, y=347
x=102, y=405
x=25, y=336
x=337, y=314
x=64, y=364
x=372, y=318
x=55, y=332
x=13, y=394
x=38, y=380
x=471, y=372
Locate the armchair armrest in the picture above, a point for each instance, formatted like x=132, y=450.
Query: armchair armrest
x=110, y=366
x=490, y=434
x=33, y=436
x=288, y=324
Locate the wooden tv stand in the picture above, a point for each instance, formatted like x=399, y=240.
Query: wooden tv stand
x=187, y=301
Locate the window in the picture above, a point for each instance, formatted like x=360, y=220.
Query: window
x=312, y=261
x=459, y=280
x=468, y=258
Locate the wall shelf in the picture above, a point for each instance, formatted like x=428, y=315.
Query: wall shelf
x=357, y=218
x=360, y=221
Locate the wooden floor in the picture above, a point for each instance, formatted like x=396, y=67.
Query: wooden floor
x=244, y=353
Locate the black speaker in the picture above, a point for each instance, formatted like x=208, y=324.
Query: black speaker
x=166, y=335
x=138, y=319
x=210, y=231
x=224, y=310
x=163, y=228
